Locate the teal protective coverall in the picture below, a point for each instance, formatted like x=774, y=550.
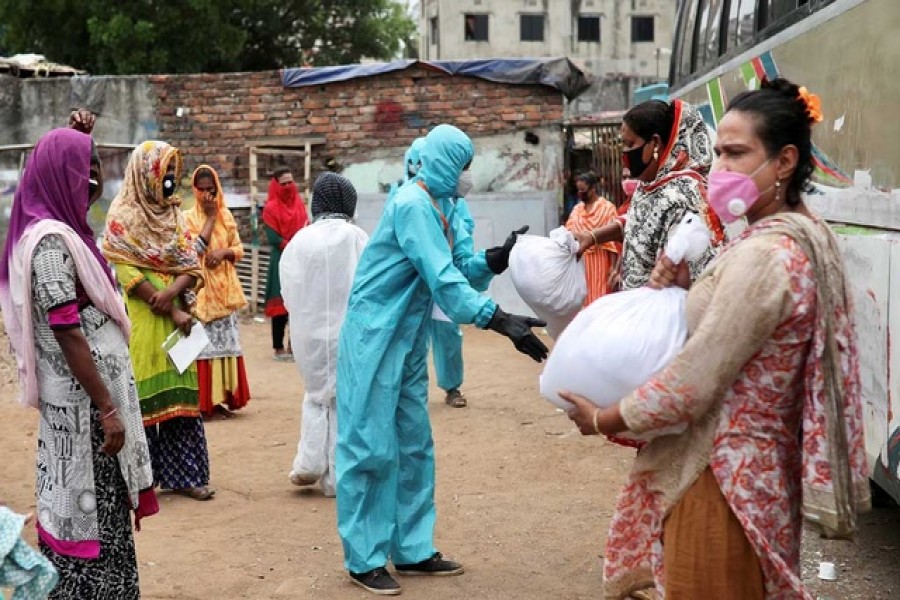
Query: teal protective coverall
x=411, y=163
x=385, y=451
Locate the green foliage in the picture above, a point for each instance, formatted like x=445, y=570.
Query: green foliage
x=152, y=36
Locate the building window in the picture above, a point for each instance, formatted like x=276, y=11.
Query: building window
x=641, y=29
x=589, y=29
x=434, y=30
x=476, y=27
x=531, y=28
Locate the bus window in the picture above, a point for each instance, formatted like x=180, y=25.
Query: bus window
x=686, y=42
x=714, y=32
x=706, y=44
x=700, y=34
x=762, y=15
x=780, y=8
x=741, y=22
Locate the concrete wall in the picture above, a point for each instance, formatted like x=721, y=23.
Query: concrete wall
x=366, y=123
x=496, y=215
x=503, y=163
x=615, y=53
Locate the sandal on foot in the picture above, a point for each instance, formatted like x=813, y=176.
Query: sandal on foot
x=201, y=492
x=455, y=399
x=228, y=414
x=302, y=479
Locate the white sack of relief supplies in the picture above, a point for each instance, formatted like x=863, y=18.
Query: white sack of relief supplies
x=621, y=340
x=549, y=277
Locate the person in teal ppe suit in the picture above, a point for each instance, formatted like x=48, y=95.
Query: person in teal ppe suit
x=412, y=162
x=446, y=336
x=385, y=451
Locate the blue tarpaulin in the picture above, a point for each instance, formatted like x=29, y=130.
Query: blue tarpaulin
x=558, y=73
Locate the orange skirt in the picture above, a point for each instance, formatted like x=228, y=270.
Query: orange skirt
x=222, y=381
x=706, y=553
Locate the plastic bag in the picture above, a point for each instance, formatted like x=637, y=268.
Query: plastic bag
x=615, y=345
x=622, y=340
x=548, y=276
x=690, y=239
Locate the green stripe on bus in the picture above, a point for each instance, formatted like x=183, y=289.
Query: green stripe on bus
x=748, y=73
x=716, y=101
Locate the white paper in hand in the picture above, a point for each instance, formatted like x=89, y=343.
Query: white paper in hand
x=183, y=350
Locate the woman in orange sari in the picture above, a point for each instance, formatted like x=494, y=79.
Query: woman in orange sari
x=592, y=213
x=220, y=367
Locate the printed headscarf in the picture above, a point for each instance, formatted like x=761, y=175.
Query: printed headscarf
x=144, y=228
x=689, y=155
x=285, y=212
x=333, y=195
x=222, y=293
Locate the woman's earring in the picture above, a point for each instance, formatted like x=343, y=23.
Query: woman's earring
x=777, y=190
x=656, y=154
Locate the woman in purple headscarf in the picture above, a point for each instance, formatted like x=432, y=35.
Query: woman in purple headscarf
x=68, y=328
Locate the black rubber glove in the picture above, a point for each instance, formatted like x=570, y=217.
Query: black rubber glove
x=518, y=329
x=498, y=257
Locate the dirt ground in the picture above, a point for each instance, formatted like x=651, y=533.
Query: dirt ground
x=523, y=500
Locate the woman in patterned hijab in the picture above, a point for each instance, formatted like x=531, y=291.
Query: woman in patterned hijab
x=157, y=266
x=668, y=153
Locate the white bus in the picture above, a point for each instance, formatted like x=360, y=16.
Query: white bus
x=846, y=51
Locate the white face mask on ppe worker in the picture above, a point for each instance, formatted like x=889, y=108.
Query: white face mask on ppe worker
x=464, y=184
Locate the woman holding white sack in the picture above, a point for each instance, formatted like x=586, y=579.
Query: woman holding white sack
x=317, y=270
x=767, y=384
x=621, y=340
x=667, y=150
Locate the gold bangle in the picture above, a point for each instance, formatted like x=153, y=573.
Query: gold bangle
x=594, y=237
x=596, y=424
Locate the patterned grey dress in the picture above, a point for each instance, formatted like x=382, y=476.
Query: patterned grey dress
x=82, y=493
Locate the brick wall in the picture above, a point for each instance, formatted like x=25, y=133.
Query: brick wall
x=361, y=120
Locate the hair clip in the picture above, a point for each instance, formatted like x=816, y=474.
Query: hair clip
x=813, y=105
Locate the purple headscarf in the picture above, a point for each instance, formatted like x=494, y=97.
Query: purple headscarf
x=54, y=186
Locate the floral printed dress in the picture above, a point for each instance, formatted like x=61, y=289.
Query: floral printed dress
x=741, y=384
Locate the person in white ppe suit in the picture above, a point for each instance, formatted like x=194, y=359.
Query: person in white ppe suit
x=317, y=269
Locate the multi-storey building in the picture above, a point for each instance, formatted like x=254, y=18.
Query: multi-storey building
x=625, y=37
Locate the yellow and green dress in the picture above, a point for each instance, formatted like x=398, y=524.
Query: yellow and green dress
x=169, y=400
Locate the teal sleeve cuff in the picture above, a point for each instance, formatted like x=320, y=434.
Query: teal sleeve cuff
x=478, y=273
x=485, y=314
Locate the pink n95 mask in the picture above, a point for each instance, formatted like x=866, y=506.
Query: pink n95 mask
x=732, y=194
x=629, y=186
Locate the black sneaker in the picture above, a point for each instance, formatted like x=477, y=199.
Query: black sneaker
x=378, y=581
x=436, y=566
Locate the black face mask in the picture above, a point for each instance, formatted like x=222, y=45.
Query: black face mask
x=635, y=160
x=92, y=187
x=168, y=184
